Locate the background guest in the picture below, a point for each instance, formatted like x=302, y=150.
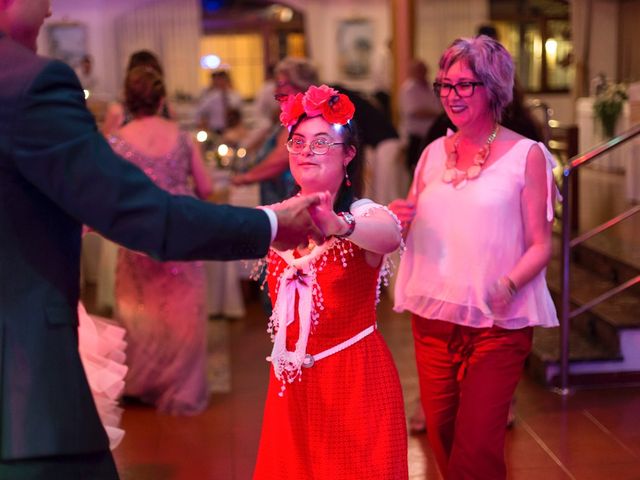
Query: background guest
x=419, y=107
x=214, y=106
x=117, y=114
x=161, y=304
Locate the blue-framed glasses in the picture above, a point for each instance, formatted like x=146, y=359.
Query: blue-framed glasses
x=463, y=89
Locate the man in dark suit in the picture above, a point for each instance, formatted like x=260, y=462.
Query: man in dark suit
x=57, y=173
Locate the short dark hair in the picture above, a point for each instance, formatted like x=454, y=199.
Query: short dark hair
x=144, y=91
x=488, y=30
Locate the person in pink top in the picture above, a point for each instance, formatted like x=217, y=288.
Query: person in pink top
x=478, y=223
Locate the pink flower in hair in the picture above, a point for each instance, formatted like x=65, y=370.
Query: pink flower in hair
x=291, y=109
x=316, y=98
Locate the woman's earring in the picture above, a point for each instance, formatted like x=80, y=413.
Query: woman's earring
x=346, y=178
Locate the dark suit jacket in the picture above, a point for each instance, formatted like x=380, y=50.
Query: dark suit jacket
x=57, y=173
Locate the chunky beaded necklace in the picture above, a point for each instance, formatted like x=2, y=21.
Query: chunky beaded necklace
x=459, y=178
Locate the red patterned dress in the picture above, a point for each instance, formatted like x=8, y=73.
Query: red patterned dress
x=343, y=417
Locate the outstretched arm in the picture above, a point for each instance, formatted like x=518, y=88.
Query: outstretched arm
x=275, y=163
x=375, y=230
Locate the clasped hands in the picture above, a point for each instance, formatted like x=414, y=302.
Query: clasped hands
x=306, y=217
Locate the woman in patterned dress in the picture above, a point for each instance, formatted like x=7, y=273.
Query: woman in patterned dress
x=161, y=304
x=334, y=407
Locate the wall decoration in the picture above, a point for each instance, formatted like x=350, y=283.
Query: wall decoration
x=355, y=48
x=67, y=41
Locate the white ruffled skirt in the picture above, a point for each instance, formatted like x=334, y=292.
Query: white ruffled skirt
x=102, y=350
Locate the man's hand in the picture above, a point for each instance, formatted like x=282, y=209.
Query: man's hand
x=295, y=225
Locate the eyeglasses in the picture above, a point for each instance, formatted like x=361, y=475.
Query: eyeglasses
x=463, y=89
x=317, y=146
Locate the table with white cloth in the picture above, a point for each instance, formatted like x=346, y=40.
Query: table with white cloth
x=619, y=160
x=224, y=292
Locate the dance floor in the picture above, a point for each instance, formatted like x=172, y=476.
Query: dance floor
x=589, y=435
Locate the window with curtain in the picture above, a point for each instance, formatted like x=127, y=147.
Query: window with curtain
x=242, y=54
x=538, y=35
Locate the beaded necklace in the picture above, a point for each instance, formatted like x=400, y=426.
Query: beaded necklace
x=459, y=178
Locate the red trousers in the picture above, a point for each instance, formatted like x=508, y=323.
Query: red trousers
x=467, y=379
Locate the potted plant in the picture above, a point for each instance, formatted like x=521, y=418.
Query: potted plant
x=610, y=98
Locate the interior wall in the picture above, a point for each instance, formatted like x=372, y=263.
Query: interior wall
x=603, y=55
x=439, y=22
x=628, y=41
x=98, y=16
x=322, y=35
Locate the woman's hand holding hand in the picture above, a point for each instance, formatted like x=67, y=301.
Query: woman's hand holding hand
x=405, y=210
x=325, y=218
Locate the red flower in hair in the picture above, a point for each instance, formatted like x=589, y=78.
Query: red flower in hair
x=291, y=109
x=333, y=106
x=339, y=109
x=316, y=98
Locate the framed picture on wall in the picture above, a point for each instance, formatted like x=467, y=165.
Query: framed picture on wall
x=355, y=47
x=67, y=41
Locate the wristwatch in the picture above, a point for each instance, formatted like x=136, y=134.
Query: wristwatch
x=350, y=221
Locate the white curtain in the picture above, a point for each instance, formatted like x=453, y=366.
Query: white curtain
x=169, y=28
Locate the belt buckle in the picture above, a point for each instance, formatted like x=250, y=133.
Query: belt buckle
x=308, y=361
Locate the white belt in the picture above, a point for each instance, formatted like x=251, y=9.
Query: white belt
x=309, y=359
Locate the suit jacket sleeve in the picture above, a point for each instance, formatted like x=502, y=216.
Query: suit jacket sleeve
x=58, y=149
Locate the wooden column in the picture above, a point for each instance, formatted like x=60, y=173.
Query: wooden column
x=403, y=17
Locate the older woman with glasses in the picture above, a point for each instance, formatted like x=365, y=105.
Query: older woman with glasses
x=334, y=407
x=479, y=217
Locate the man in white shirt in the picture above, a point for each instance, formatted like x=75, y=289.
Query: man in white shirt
x=419, y=107
x=217, y=102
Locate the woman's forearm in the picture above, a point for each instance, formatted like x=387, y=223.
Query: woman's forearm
x=534, y=260
x=376, y=231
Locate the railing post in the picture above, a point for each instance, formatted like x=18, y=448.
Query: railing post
x=565, y=304
x=572, y=151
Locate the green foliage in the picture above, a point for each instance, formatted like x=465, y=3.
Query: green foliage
x=608, y=105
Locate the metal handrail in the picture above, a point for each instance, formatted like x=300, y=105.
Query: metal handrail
x=565, y=309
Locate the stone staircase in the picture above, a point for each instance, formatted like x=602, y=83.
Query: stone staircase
x=604, y=341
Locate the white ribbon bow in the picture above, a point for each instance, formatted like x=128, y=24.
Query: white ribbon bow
x=287, y=364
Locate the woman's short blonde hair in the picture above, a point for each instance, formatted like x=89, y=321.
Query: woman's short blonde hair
x=490, y=62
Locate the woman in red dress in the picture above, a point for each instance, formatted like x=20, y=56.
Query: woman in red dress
x=334, y=408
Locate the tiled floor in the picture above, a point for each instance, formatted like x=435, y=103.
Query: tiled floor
x=592, y=434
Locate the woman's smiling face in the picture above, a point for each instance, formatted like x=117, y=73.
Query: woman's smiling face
x=314, y=172
x=464, y=111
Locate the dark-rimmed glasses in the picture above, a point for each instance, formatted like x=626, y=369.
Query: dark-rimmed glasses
x=463, y=89
x=317, y=146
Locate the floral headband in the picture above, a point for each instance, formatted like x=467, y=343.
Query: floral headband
x=334, y=107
